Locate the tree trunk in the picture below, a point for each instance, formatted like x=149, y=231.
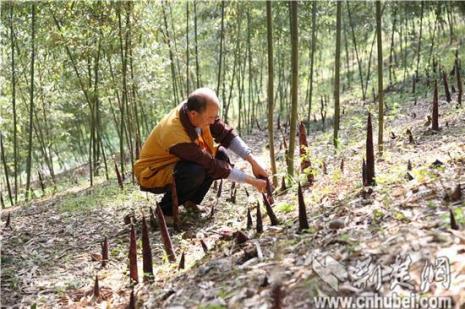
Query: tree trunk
x=197, y=67
x=126, y=113
x=166, y=36
x=392, y=50
x=31, y=104
x=449, y=21
x=90, y=156
x=269, y=27
x=233, y=76
x=337, y=76
x=95, y=118
x=187, y=50
x=346, y=47
x=240, y=88
x=249, y=73
x=120, y=127
x=446, y=86
x=43, y=147
x=124, y=93
x=367, y=79
x=135, y=101
x=312, y=62
x=294, y=84
x=433, y=36
x=5, y=169
x=129, y=111
x=419, y=39
x=13, y=97
x=175, y=45
x=220, y=55
x=359, y=61
x=104, y=159
x=459, y=78
x=435, y=113
x=380, y=78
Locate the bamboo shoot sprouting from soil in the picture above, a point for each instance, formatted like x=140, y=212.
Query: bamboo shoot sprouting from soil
x=133, y=256
x=147, y=265
x=165, y=235
x=370, y=153
x=435, y=115
x=303, y=222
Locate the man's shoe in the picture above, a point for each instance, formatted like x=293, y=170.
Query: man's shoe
x=193, y=207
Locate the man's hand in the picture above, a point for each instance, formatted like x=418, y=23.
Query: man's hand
x=257, y=167
x=259, y=184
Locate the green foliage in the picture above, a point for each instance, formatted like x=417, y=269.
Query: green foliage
x=459, y=216
x=100, y=197
x=336, y=175
x=395, y=174
x=424, y=174
x=378, y=215
x=431, y=204
x=285, y=207
x=400, y=216
x=225, y=294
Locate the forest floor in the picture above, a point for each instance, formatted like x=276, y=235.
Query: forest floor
x=393, y=238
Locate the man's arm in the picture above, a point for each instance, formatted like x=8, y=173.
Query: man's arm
x=192, y=152
x=239, y=147
x=214, y=167
x=222, y=133
x=241, y=177
x=228, y=138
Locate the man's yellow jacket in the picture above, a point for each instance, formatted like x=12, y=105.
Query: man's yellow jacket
x=173, y=139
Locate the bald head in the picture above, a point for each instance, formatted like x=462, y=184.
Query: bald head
x=200, y=98
x=203, y=107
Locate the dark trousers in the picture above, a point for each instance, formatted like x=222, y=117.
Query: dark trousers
x=192, y=183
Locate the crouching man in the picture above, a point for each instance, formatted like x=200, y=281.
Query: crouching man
x=181, y=148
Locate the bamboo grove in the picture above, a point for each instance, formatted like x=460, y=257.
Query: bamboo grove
x=84, y=82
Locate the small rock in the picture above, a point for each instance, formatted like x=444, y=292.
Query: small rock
x=336, y=224
x=221, y=265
